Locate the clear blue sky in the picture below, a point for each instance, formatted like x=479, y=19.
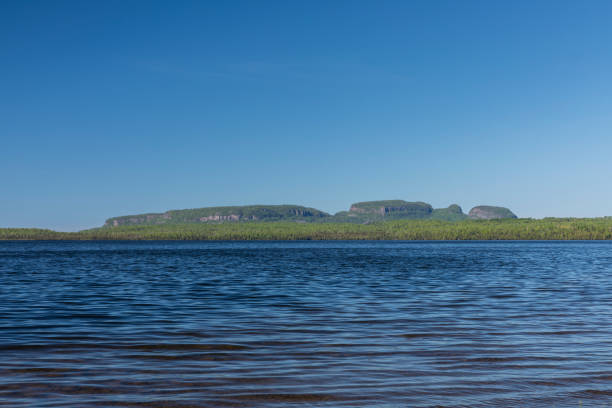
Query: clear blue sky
x=116, y=107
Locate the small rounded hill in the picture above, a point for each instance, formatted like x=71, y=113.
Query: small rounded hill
x=488, y=212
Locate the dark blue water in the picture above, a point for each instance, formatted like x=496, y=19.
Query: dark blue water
x=334, y=324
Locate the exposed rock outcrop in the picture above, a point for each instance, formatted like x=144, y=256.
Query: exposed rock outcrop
x=488, y=212
x=222, y=214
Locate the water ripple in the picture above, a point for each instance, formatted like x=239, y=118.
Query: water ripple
x=325, y=324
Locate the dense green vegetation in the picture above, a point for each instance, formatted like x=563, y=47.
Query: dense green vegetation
x=34, y=233
x=507, y=229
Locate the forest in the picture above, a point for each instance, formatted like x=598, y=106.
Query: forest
x=425, y=229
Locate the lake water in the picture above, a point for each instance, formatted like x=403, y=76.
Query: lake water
x=330, y=324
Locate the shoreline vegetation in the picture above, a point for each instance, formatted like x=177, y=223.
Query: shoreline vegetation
x=406, y=229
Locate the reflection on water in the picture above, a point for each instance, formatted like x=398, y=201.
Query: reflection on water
x=336, y=324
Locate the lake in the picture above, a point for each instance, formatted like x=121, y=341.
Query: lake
x=324, y=324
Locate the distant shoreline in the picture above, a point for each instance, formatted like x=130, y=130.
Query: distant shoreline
x=521, y=229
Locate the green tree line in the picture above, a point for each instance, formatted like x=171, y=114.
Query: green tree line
x=507, y=229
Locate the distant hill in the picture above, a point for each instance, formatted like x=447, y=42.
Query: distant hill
x=370, y=211
x=488, y=212
x=452, y=213
x=393, y=208
x=364, y=212
x=222, y=214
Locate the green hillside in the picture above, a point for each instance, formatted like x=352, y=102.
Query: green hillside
x=452, y=213
x=222, y=214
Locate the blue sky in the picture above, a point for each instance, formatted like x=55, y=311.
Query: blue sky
x=118, y=107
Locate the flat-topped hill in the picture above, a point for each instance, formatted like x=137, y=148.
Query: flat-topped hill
x=371, y=211
x=393, y=208
x=222, y=214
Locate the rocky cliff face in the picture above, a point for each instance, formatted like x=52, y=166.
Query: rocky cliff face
x=222, y=214
x=230, y=217
x=488, y=212
x=392, y=208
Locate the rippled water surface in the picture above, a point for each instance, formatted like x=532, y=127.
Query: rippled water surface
x=338, y=324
